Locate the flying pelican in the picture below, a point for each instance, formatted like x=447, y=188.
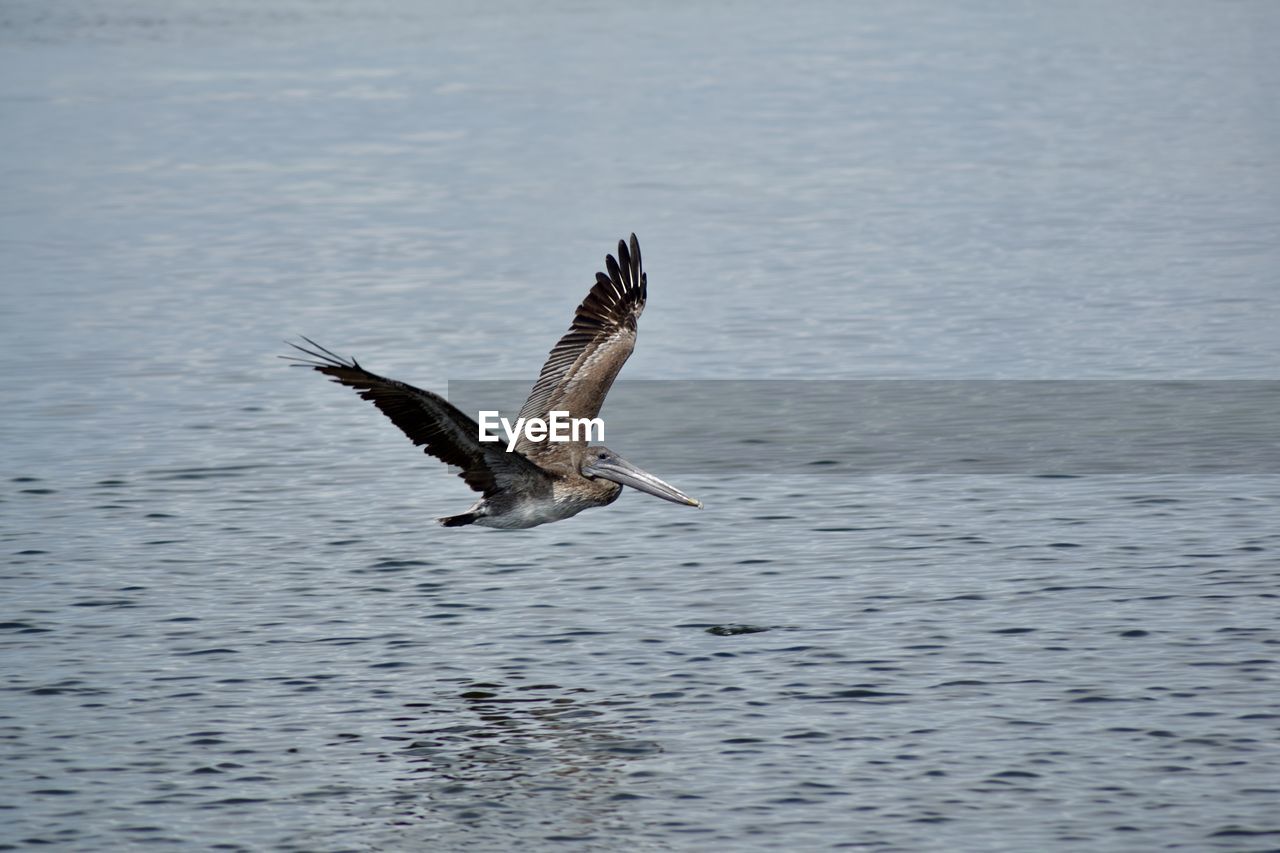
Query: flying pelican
x=537, y=481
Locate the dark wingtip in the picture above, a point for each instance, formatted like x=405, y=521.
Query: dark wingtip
x=637, y=268
x=319, y=358
x=615, y=270
x=626, y=270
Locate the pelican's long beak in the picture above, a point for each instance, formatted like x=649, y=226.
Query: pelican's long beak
x=621, y=471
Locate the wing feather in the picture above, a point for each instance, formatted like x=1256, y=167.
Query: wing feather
x=581, y=367
x=430, y=421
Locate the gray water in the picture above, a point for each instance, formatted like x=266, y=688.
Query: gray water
x=228, y=621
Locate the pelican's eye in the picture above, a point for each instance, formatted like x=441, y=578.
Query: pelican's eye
x=602, y=455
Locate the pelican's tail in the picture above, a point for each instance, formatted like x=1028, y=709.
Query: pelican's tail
x=458, y=520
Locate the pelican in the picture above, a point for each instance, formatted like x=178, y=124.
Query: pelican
x=537, y=481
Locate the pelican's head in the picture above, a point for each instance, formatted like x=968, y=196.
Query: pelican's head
x=604, y=463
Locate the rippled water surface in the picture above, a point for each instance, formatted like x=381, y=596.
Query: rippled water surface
x=229, y=621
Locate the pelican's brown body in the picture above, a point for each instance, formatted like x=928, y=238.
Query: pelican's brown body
x=537, y=481
x=562, y=493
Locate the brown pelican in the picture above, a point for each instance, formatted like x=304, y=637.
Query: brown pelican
x=537, y=481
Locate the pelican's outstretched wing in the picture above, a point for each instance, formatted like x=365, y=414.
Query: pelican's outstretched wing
x=582, y=366
x=430, y=421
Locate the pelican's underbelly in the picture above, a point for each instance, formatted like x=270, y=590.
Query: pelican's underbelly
x=530, y=514
x=528, y=511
